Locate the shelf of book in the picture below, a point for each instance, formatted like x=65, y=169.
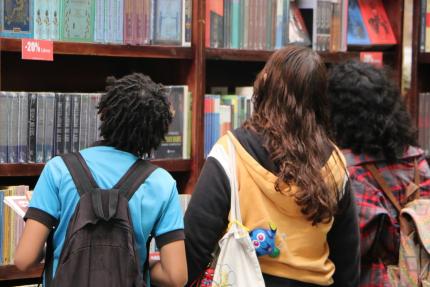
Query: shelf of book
x=107, y=50
x=34, y=169
x=264, y=55
x=424, y=58
x=11, y=274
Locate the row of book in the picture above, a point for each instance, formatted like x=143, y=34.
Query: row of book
x=134, y=22
x=11, y=222
x=425, y=26
x=327, y=25
x=424, y=121
x=224, y=112
x=34, y=127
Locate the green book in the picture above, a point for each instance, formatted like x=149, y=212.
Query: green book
x=77, y=20
x=235, y=24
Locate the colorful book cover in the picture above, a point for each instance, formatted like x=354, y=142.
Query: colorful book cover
x=357, y=33
x=167, y=22
x=298, y=33
x=77, y=23
x=17, y=19
x=377, y=23
x=235, y=23
x=172, y=146
x=214, y=24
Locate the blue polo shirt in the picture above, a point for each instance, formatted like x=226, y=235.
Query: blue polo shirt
x=154, y=207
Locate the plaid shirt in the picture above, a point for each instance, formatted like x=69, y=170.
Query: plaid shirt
x=379, y=225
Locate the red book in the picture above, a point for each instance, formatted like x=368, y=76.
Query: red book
x=214, y=23
x=377, y=23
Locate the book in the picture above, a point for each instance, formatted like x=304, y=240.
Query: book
x=16, y=19
x=83, y=125
x=59, y=124
x=214, y=27
x=77, y=20
x=38, y=18
x=22, y=127
x=167, y=22
x=99, y=21
x=12, y=137
x=187, y=12
x=357, y=32
x=67, y=119
x=128, y=22
x=298, y=33
x=54, y=8
x=48, y=145
x=3, y=126
x=32, y=113
x=40, y=127
x=427, y=33
x=75, y=122
x=376, y=22
x=18, y=203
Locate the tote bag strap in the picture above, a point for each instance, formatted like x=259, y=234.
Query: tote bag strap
x=235, y=216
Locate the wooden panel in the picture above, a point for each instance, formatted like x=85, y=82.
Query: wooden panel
x=34, y=169
x=424, y=58
x=263, y=56
x=10, y=274
x=69, y=73
x=109, y=50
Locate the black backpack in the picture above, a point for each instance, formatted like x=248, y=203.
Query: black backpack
x=99, y=248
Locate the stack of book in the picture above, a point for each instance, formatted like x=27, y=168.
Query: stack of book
x=224, y=112
x=34, y=127
x=134, y=22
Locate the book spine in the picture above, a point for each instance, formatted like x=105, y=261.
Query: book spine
x=99, y=18
x=46, y=31
x=427, y=45
x=241, y=23
x=40, y=127
x=49, y=126
x=120, y=22
x=74, y=125
x=246, y=24
x=279, y=24
x=3, y=127
x=128, y=22
x=235, y=22
x=66, y=123
x=55, y=22
x=32, y=112
x=2, y=227
x=423, y=12
x=23, y=127
x=188, y=12
x=227, y=27
x=59, y=124
x=37, y=19
x=12, y=139
x=83, y=125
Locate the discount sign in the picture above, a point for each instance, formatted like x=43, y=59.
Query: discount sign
x=33, y=49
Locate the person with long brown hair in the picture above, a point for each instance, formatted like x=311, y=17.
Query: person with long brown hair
x=292, y=180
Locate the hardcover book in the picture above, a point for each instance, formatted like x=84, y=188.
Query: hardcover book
x=357, y=32
x=167, y=22
x=78, y=20
x=16, y=18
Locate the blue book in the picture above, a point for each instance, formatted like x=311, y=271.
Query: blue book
x=357, y=33
x=16, y=19
x=235, y=24
x=167, y=22
x=4, y=119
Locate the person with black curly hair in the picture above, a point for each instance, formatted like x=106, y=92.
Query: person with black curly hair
x=135, y=116
x=372, y=126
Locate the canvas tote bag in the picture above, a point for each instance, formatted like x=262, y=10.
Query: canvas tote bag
x=237, y=264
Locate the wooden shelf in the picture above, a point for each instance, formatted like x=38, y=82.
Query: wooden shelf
x=34, y=169
x=424, y=58
x=264, y=55
x=11, y=273
x=107, y=50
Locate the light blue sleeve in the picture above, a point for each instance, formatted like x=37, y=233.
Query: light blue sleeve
x=171, y=218
x=45, y=196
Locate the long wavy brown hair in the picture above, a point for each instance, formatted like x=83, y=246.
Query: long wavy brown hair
x=291, y=114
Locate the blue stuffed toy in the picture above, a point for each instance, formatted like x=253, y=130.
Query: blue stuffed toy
x=264, y=241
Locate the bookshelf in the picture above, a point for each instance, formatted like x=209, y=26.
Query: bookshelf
x=83, y=67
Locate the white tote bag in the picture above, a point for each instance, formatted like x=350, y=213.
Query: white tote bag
x=237, y=264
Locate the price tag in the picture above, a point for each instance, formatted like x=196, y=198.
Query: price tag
x=374, y=58
x=33, y=49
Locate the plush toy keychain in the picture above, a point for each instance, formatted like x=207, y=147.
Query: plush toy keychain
x=264, y=241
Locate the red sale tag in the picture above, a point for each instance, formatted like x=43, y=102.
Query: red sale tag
x=375, y=58
x=33, y=49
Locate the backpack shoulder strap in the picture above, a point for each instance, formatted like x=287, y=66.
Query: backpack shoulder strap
x=134, y=177
x=80, y=172
x=384, y=185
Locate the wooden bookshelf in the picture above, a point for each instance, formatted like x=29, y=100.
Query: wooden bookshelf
x=264, y=55
x=10, y=275
x=107, y=50
x=34, y=169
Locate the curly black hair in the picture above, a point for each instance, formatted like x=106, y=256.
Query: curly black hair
x=368, y=114
x=135, y=114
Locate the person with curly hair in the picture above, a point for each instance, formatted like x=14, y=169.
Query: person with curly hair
x=135, y=116
x=292, y=183
x=372, y=126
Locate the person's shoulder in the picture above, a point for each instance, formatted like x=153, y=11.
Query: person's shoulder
x=161, y=181
x=56, y=165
